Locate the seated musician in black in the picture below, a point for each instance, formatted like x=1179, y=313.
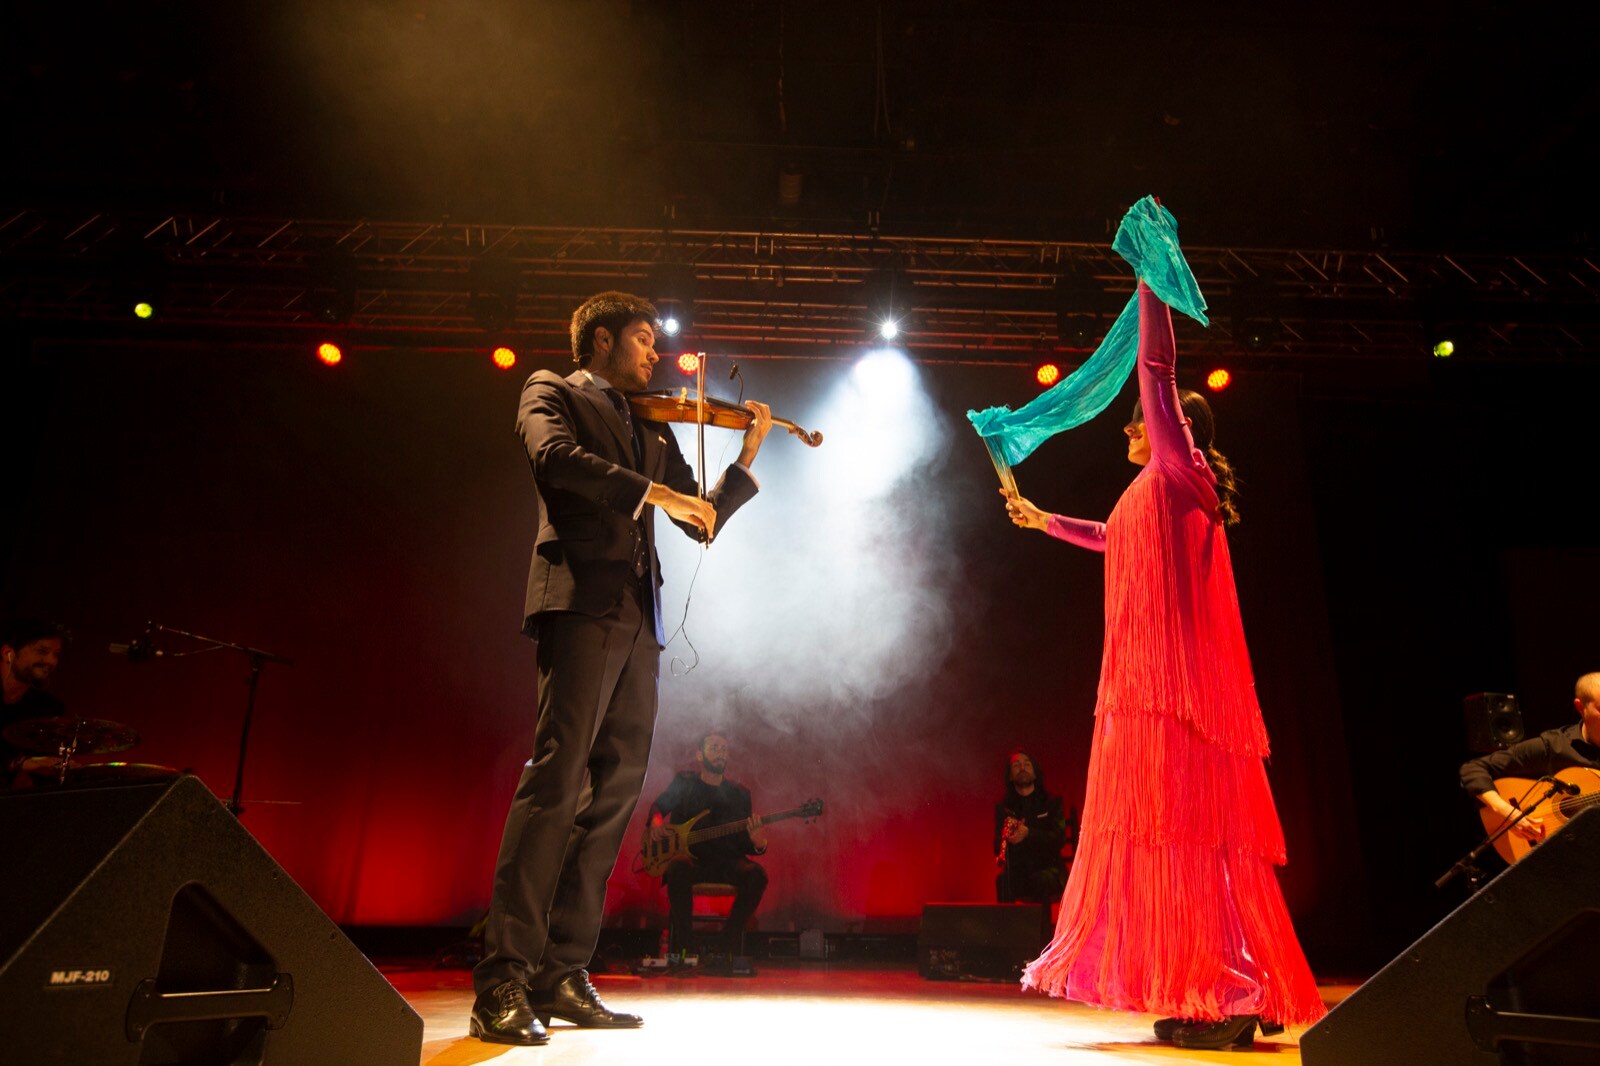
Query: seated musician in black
x=719, y=860
x=29, y=652
x=1554, y=750
x=1030, y=829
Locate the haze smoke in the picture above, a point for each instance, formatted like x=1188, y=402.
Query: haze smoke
x=834, y=587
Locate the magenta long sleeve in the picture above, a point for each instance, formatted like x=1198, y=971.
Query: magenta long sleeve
x=1084, y=534
x=1164, y=424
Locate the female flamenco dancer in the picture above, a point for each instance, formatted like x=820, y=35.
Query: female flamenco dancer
x=1173, y=905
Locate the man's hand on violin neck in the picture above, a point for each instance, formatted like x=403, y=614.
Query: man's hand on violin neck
x=691, y=509
x=757, y=432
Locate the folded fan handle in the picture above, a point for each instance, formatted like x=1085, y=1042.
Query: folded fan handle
x=1002, y=467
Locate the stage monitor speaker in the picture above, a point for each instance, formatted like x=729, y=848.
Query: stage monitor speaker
x=1504, y=979
x=1494, y=721
x=978, y=940
x=142, y=925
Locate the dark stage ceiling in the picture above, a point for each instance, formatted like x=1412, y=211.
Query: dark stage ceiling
x=1461, y=126
x=1347, y=178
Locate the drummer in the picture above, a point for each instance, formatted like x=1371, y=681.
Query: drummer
x=29, y=651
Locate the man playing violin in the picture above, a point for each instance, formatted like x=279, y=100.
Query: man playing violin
x=593, y=605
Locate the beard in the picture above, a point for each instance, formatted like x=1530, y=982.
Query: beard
x=34, y=674
x=715, y=766
x=637, y=378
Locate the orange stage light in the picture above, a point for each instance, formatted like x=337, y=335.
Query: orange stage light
x=1218, y=380
x=329, y=353
x=689, y=362
x=1047, y=374
x=504, y=358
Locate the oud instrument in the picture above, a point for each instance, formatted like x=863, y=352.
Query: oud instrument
x=1554, y=812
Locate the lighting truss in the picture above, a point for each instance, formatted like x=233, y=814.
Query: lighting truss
x=775, y=293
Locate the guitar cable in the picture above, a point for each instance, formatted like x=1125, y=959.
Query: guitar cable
x=676, y=666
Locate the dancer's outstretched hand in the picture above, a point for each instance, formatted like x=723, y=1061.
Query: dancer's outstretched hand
x=1023, y=513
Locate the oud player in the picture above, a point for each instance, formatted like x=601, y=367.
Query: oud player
x=1572, y=746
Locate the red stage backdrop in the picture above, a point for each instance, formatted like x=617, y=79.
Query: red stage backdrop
x=871, y=630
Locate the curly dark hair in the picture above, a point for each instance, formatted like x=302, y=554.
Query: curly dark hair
x=18, y=633
x=616, y=311
x=1203, y=428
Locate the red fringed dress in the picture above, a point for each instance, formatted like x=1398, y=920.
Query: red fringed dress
x=1173, y=905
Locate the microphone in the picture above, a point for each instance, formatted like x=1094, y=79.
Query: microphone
x=1562, y=786
x=140, y=649
x=734, y=372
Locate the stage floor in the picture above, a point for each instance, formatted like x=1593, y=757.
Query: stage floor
x=795, y=1013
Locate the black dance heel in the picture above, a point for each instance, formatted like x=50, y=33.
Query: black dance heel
x=1270, y=1028
x=1165, y=1027
x=1236, y=1032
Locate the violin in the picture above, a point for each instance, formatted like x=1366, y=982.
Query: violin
x=681, y=407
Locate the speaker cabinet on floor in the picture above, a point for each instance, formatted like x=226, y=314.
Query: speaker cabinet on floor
x=142, y=925
x=1508, y=977
x=978, y=940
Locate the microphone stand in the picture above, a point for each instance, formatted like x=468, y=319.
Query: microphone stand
x=1467, y=864
x=258, y=659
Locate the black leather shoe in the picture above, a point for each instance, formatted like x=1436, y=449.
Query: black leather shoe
x=1270, y=1028
x=575, y=1000
x=502, y=1016
x=1236, y=1032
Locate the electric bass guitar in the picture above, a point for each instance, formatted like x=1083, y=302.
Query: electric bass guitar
x=1555, y=811
x=655, y=856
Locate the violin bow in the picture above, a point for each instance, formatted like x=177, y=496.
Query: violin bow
x=700, y=433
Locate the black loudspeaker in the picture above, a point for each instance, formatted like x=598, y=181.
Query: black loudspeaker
x=1506, y=978
x=143, y=925
x=1494, y=721
x=978, y=940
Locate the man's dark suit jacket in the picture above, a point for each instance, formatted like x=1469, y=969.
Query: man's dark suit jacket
x=587, y=484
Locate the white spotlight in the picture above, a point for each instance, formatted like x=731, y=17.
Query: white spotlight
x=884, y=373
x=670, y=325
x=889, y=329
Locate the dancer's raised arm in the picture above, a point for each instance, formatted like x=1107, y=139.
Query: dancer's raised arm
x=1164, y=423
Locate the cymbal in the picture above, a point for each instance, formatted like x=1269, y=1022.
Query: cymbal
x=93, y=736
x=119, y=773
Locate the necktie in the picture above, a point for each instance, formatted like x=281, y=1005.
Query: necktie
x=621, y=404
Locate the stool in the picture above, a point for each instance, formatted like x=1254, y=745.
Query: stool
x=717, y=920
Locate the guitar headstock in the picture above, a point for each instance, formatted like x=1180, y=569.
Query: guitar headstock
x=811, y=809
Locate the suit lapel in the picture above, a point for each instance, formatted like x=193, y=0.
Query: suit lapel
x=597, y=399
